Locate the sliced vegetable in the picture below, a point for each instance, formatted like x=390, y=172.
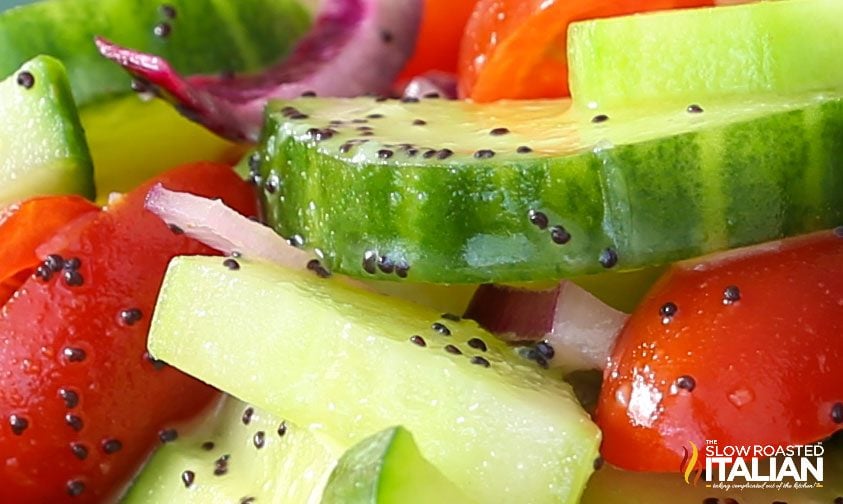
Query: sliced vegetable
x=132, y=139
x=247, y=35
x=743, y=348
x=24, y=227
x=499, y=428
x=42, y=144
x=236, y=453
x=574, y=329
x=222, y=228
x=81, y=400
x=622, y=290
x=438, y=42
x=517, y=48
x=448, y=191
x=225, y=230
x=387, y=468
x=335, y=59
x=451, y=300
x=699, y=55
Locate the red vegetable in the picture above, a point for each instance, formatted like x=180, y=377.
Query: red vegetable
x=81, y=403
x=578, y=327
x=356, y=47
x=24, y=226
x=743, y=347
x=438, y=44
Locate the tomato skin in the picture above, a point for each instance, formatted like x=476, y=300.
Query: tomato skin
x=122, y=395
x=517, y=49
x=26, y=224
x=438, y=42
x=765, y=369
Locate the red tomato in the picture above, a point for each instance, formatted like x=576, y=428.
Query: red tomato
x=743, y=348
x=438, y=43
x=81, y=402
x=518, y=48
x=26, y=225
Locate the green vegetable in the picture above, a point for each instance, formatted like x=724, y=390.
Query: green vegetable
x=246, y=35
x=342, y=362
x=698, y=55
x=42, y=144
x=132, y=139
x=292, y=468
x=452, y=299
x=642, y=186
x=621, y=290
x=272, y=460
x=387, y=468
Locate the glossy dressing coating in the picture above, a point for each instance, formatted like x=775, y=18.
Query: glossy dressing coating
x=81, y=401
x=749, y=353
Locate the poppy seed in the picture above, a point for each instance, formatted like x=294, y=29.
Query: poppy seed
x=26, y=80
x=686, y=382
x=75, y=488
x=162, y=30
x=188, y=477
x=18, y=424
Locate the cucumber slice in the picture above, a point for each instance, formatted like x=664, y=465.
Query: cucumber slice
x=204, y=36
x=387, y=468
x=132, y=139
x=621, y=290
x=642, y=186
x=697, y=55
x=453, y=299
x=340, y=361
x=260, y=463
x=42, y=144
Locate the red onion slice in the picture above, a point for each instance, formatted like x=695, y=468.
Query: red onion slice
x=356, y=47
x=584, y=329
x=219, y=227
x=579, y=330
x=216, y=225
x=514, y=314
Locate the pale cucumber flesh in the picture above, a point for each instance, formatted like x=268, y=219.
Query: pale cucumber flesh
x=132, y=140
x=622, y=290
x=42, y=143
x=453, y=299
x=272, y=460
x=261, y=463
x=650, y=185
x=699, y=55
x=340, y=361
x=387, y=468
